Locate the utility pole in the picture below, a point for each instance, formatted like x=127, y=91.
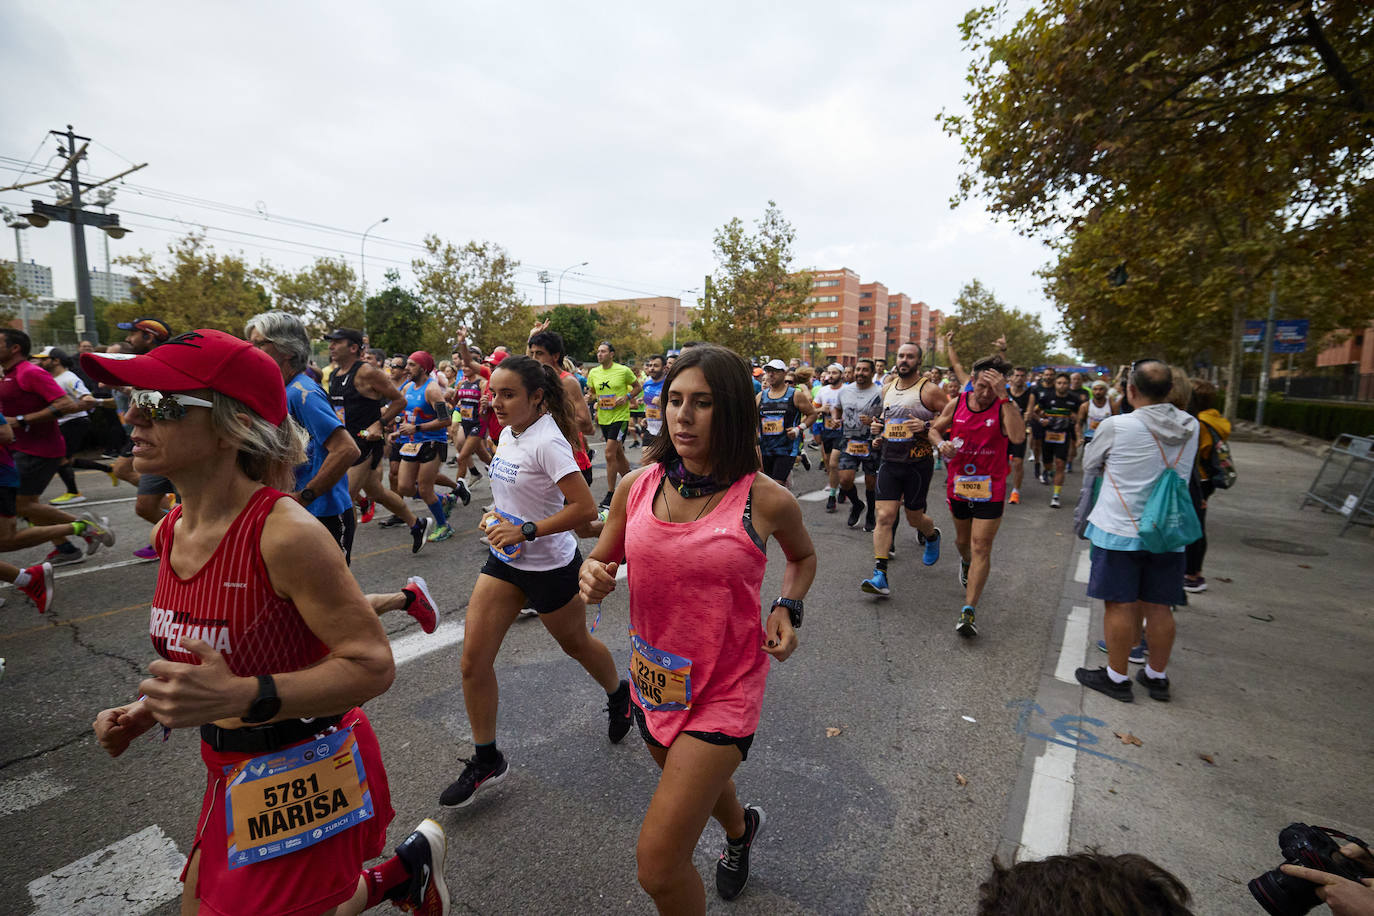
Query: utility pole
x=103, y=198
x=85, y=323
x=545, y=279
x=1268, y=347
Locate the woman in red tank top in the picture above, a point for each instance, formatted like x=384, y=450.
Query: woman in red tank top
x=692, y=526
x=267, y=645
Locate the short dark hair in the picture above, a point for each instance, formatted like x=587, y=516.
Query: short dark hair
x=996, y=361
x=17, y=338
x=377, y=353
x=1124, y=885
x=1204, y=396
x=1152, y=378
x=656, y=356
x=1022, y=369
x=607, y=344
x=871, y=363
x=551, y=342
x=1063, y=375
x=734, y=413
x=537, y=377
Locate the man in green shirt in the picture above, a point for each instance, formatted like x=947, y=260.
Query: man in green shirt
x=610, y=386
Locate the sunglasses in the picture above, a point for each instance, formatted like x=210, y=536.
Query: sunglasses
x=159, y=406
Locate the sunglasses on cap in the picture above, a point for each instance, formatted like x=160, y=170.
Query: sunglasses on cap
x=160, y=406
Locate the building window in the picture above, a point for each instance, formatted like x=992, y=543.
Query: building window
x=865, y=308
x=868, y=295
x=827, y=283
x=823, y=299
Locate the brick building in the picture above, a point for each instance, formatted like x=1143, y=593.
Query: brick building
x=850, y=319
x=659, y=313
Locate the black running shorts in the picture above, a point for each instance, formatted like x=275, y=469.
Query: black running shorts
x=908, y=481
x=546, y=590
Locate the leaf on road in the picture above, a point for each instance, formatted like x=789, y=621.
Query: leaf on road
x=1225, y=579
x=1207, y=759
x=961, y=779
x=1128, y=738
x=833, y=732
x=1304, y=566
x=1267, y=618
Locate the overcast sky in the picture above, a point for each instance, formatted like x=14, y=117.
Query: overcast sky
x=613, y=133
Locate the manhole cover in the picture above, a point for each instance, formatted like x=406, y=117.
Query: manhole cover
x=1274, y=545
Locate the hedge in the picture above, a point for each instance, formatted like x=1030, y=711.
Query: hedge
x=1322, y=419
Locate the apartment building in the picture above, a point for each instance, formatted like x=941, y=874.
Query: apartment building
x=850, y=319
x=660, y=313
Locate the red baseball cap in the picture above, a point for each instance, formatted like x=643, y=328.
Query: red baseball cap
x=423, y=360
x=496, y=357
x=199, y=359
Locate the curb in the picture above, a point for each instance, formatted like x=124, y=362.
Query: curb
x=1247, y=431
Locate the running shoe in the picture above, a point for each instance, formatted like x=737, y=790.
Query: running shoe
x=146, y=553
x=732, y=870
x=603, y=513
x=618, y=712
x=963, y=574
x=806, y=462
x=856, y=509
x=463, y=493
x=1137, y=655
x=830, y=503
x=606, y=500
x=98, y=534
x=39, y=588
x=870, y=521
x=1054, y=501
x=452, y=462
x=920, y=538
x=419, y=532
x=1015, y=497
x=59, y=557
x=476, y=474
x=932, y=549
x=876, y=585
x=442, y=533
x=966, y=627
x=67, y=499
x=423, y=853
x=1194, y=584
x=421, y=605
x=391, y=521
x=448, y=501
x=1157, y=686
x=1098, y=679
x=475, y=776
x=526, y=611
x=1068, y=467
x=369, y=508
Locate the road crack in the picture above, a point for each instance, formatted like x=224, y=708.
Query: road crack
x=65, y=743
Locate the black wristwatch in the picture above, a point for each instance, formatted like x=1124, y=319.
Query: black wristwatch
x=267, y=704
x=307, y=496
x=529, y=530
x=794, y=610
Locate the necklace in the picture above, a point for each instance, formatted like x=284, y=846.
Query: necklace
x=669, y=509
x=689, y=485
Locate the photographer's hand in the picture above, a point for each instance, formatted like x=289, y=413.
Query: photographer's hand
x=1345, y=897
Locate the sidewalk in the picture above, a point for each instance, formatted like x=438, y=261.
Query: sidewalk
x=1271, y=720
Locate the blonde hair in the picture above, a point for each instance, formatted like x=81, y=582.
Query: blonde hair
x=1182, y=392
x=267, y=452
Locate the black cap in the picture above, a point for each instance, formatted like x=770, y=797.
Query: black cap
x=352, y=334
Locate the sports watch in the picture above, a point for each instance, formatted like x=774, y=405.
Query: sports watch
x=307, y=496
x=794, y=610
x=267, y=704
x=529, y=530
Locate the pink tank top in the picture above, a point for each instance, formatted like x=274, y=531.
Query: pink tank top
x=695, y=596
x=978, y=473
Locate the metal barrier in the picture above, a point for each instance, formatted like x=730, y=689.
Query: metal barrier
x=1345, y=482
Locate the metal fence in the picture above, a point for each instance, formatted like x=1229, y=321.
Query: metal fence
x=1350, y=387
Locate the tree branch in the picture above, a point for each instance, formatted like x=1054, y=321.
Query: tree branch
x=1333, y=63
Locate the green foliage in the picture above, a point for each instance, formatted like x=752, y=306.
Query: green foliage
x=624, y=326
x=396, y=319
x=471, y=290
x=326, y=294
x=58, y=326
x=754, y=289
x=577, y=326
x=9, y=285
x=979, y=319
x=198, y=289
x=1322, y=419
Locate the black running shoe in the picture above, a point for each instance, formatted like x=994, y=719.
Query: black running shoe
x=419, y=532
x=871, y=521
x=1158, y=686
x=606, y=500
x=473, y=472
x=732, y=870
x=462, y=492
x=830, y=503
x=392, y=521
x=423, y=853
x=618, y=712
x=475, y=776
x=1098, y=679
x=806, y=462
x=856, y=509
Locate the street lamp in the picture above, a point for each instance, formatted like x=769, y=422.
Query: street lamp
x=560, y=278
x=18, y=223
x=692, y=291
x=362, y=258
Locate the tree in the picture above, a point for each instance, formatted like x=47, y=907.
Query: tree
x=624, y=326
x=1250, y=122
x=979, y=319
x=577, y=326
x=326, y=294
x=9, y=284
x=199, y=288
x=396, y=317
x=471, y=288
x=754, y=289
x=59, y=323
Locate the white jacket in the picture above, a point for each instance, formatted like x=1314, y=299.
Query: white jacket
x=1130, y=460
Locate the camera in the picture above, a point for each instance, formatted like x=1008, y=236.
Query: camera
x=1314, y=847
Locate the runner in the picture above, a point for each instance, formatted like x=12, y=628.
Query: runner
x=75, y=426
x=612, y=385
x=907, y=463
x=356, y=392
x=695, y=561
x=264, y=672
x=636, y=427
x=1093, y=412
x=423, y=438
x=1043, y=388
x=654, y=368
x=35, y=581
x=784, y=413
x=832, y=433
x=1021, y=396
x=974, y=443
x=859, y=403
x=475, y=375
x=1054, y=413
x=153, y=491
x=547, y=347
x=540, y=496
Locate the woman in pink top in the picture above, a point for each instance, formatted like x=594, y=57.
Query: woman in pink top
x=692, y=527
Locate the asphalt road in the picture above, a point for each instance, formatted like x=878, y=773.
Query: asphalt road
x=898, y=812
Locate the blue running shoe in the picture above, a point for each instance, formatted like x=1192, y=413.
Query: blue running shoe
x=932, y=549
x=877, y=585
x=1138, y=655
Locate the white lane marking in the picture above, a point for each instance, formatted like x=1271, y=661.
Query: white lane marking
x=66, y=573
x=1080, y=575
x=1049, y=809
x=1071, y=650
x=135, y=875
x=815, y=496
x=418, y=644
x=27, y=791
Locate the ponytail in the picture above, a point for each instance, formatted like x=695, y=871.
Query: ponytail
x=535, y=376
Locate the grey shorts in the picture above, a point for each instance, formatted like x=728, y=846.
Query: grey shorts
x=154, y=485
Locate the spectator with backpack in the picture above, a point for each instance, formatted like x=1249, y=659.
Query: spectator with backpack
x=1139, y=527
x=1213, y=470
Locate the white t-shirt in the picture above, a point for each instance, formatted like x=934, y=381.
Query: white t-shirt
x=524, y=481
x=827, y=398
x=75, y=388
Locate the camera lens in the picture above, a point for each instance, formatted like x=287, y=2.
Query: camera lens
x=1284, y=895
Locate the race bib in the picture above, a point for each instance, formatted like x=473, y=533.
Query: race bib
x=606, y=402
x=1094, y=421
x=857, y=447
x=899, y=431
x=772, y=426
x=832, y=423
x=339, y=412
x=290, y=799
x=410, y=450
x=465, y=411
x=662, y=680
x=975, y=488
x=1053, y=436
x=653, y=413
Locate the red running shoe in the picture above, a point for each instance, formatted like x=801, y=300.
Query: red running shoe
x=369, y=509
x=39, y=588
x=421, y=605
